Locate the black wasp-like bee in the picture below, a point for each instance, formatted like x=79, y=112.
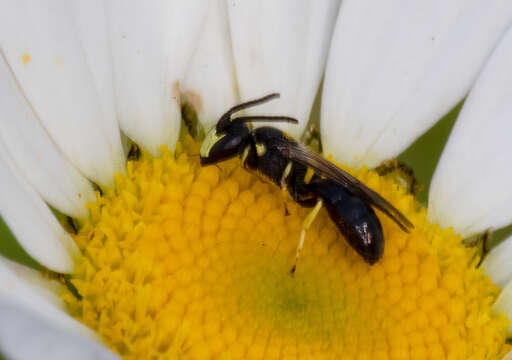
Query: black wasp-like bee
x=285, y=162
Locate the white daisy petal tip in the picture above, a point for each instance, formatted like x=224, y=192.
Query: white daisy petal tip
x=498, y=263
x=470, y=189
x=210, y=86
x=30, y=336
x=152, y=44
x=34, y=326
x=35, y=154
x=45, y=287
x=281, y=46
x=57, y=66
x=395, y=68
x=32, y=222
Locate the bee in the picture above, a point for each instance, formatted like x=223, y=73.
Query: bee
x=312, y=181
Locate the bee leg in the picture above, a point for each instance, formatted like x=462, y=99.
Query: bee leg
x=402, y=172
x=480, y=242
x=284, y=186
x=305, y=226
x=486, y=237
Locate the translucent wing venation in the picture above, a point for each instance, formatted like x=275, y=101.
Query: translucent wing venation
x=301, y=154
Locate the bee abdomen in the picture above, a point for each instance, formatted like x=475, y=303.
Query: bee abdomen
x=355, y=219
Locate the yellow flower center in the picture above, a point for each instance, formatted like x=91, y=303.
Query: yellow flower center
x=184, y=262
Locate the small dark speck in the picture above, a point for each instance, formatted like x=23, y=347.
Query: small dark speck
x=433, y=38
x=79, y=195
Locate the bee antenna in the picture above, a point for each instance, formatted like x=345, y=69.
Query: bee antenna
x=226, y=117
x=264, y=118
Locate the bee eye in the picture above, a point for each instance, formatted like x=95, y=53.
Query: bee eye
x=225, y=147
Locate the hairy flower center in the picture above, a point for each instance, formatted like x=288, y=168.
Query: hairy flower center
x=185, y=262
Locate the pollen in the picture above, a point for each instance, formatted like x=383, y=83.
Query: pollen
x=188, y=262
x=25, y=58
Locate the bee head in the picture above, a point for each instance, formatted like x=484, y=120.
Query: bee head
x=229, y=137
x=224, y=144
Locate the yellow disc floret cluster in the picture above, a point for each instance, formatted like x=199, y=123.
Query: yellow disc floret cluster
x=185, y=262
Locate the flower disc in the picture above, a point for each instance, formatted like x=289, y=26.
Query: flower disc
x=184, y=262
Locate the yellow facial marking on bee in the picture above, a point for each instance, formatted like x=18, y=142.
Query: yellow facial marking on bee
x=287, y=136
x=260, y=149
x=210, y=140
x=309, y=175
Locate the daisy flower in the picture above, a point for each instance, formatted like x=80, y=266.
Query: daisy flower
x=163, y=258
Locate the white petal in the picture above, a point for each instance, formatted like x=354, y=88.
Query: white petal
x=210, y=85
x=91, y=28
x=34, y=153
x=56, y=61
x=33, y=328
x=503, y=304
x=42, y=285
x=152, y=43
x=471, y=188
x=396, y=67
x=281, y=46
x=498, y=263
x=15, y=289
x=25, y=335
x=32, y=222
x=508, y=356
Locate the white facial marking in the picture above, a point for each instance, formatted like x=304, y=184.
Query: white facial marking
x=208, y=142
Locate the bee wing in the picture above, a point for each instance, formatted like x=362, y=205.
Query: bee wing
x=301, y=154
